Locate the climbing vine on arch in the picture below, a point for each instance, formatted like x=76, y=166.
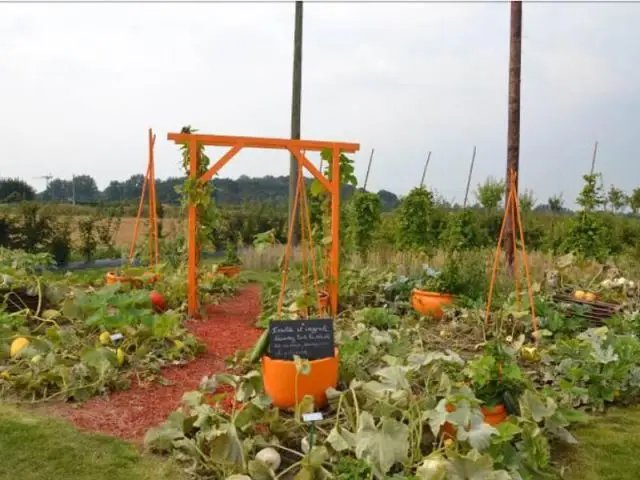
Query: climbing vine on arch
x=198, y=194
x=320, y=203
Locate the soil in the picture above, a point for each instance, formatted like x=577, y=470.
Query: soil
x=128, y=414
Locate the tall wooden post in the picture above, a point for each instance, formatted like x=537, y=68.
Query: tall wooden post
x=296, y=109
x=335, y=229
x=192, y=300
x=513, y=129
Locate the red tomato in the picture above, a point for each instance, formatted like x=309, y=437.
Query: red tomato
x=158, y=301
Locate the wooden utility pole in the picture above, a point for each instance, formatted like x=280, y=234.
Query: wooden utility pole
x=366, y=177
x=513, y=129
x=296, y=109
x=424, y=171
x=466, y=192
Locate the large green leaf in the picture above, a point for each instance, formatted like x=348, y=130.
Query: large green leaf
x=225, y=446
x=341, y=439
x=100, y=358
x=535, y=407
x=383, y=447
x=473, y=466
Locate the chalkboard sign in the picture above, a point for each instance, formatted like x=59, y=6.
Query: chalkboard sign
x=309, y=339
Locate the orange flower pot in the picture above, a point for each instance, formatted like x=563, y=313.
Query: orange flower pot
x=279, y=378
x=112, y=278
x=492, y=415
x=430, y=303
x=229, y=271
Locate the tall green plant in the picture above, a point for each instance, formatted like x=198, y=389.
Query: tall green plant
x=33, y=229
x=366, y=210
x=416, y=209
x=587, y=235
x=88, y=242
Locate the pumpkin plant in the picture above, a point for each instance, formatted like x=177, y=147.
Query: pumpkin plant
x=462, y=275
x=496, y=377
x=231, y=258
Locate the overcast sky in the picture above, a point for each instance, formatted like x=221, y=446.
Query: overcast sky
x=81, y=84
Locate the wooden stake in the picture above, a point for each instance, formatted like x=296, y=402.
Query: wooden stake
x=593, y=157
x=366, y=178
x=466, y=193
x=424, y=172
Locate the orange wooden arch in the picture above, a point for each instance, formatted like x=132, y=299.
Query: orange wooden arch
x=296, y=148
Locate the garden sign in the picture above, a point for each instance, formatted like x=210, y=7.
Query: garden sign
x=308, y=339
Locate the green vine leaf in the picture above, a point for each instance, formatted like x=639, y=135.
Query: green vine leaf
x=383, y=446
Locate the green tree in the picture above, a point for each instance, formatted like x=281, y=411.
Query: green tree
x=617, y=199
x=556, y=204
x=527, y=200
x=13, y=190
x=634, y=201
x=490, y=193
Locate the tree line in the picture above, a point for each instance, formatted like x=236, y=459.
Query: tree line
x=84, y=190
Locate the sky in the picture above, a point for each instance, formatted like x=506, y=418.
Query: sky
x=81, y=84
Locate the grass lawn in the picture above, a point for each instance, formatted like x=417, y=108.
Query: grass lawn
x=36, y=448
x=609, y=447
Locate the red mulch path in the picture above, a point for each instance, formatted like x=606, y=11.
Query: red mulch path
x=130, y=413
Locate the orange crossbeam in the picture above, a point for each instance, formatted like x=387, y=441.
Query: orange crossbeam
x=261, y=142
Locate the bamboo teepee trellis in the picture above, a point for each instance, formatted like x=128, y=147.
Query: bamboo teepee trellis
x=150, y=182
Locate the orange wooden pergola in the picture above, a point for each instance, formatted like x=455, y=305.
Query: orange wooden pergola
x=296, y=147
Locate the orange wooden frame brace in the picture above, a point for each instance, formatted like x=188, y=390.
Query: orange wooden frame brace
x=296, y=148
x=512, y=212
x=149, y=178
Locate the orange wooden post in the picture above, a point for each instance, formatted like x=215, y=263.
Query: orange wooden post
x=192, y=282
x=151, y=201
x=335, y=229
x=137, y=224
x=154, y=199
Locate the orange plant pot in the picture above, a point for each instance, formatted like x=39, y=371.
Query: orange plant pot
x=430, y=303
x=492, y=415
x=112, y=278
x=279, y=378
x=229, y=271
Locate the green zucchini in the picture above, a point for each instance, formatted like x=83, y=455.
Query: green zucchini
x=510, y=404
x=260, y=348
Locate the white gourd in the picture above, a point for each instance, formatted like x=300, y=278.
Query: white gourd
x=270, y=456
